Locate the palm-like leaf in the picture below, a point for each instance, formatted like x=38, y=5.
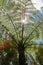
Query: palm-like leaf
x=10, y=18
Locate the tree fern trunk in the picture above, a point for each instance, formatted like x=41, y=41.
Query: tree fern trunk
x=22, y=59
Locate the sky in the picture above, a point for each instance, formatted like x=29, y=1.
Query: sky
x=38, y=41
x=37, y=4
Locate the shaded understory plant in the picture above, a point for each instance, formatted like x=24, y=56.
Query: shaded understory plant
x=8, y=55
x=39, y=54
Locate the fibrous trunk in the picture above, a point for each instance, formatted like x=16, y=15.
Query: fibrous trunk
x=22, y=60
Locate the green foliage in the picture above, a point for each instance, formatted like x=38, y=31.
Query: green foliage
x=39, y=54
x=2, y=3
x=10, y=17
x=9, y=55
x=10, y=5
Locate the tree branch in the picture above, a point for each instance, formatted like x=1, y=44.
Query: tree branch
x=10, y=35
x=31, y=33
x=32, y=45
x=22, y=31
x=11, y=22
